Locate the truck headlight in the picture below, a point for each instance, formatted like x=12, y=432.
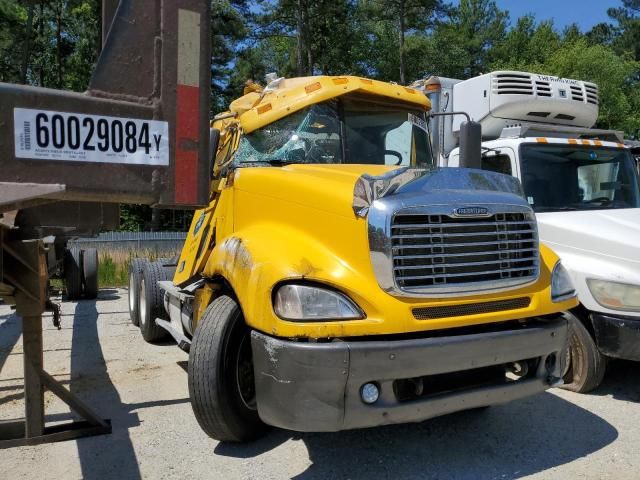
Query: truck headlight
x=311, y=303
x=614, y=295
x=561, y=285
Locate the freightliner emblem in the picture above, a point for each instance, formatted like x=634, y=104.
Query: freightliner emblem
x=471, y=212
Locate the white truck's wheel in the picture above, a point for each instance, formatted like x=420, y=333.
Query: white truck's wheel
x=221, y=384
x=585, y=365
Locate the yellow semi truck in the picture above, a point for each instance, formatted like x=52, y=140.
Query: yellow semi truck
x=339, y=280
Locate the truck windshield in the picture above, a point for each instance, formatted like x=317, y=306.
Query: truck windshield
x=570, y=177
x=344, y=131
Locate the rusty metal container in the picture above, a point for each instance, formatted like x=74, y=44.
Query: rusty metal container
x=139, y=134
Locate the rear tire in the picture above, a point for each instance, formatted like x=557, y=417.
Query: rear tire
x=585, y=366
x=90, y=272
x=150, y=302
x=135, y=275
x=73, y=273
x=221, y=383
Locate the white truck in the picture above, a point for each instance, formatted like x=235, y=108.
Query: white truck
x=581, y=182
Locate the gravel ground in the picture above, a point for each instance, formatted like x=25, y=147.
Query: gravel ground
x=142, y=388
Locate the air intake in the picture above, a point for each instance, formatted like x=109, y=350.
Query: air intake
x=447, y=311
x=512, y=84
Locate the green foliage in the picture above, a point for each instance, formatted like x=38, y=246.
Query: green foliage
x=619, y=93
x=395, y=24
x=113, y=265
x=463, y=46
x=110, y=273
x=136, y=218
x=541, y=49
x=12, y=30
x=625, y=36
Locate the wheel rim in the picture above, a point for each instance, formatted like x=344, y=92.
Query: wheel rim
x=143, y=303
x=244, y=374
x=132, y=293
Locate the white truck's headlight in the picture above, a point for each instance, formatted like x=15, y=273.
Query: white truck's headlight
x=309, y=303
x=561, y=285
x=614, y=295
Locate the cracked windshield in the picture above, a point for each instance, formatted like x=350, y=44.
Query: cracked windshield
x=559, y=178
x=344, y=131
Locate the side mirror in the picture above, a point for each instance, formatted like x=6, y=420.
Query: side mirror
x=471, y=144
x=214, y=138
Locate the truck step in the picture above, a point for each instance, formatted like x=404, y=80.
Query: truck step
x=183, y=342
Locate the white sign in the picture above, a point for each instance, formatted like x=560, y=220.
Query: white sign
x=47, y=135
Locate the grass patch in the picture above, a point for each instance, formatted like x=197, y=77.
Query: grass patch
x=113, y=266
x=110, y=273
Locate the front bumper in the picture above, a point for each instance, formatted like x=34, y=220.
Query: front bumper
x=617, y=335
x=316, y=386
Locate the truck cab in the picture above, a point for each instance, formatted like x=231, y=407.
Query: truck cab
x=339, y=280
x=583, y=185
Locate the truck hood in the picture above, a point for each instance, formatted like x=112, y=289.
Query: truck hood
x=343, y=189
x=323, y=187
x=607, y=233
x=601, y=244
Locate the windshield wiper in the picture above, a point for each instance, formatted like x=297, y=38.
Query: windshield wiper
x=555, y=209
x=486, y=150
x=280, y=161
x=276, y=162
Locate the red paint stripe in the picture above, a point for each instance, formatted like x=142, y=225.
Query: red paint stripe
x=187, y=144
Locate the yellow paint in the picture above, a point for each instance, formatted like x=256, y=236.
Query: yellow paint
x=297, y=222
x=201, y=301
x=295, y=94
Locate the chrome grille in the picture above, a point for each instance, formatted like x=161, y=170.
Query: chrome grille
x=463, y=253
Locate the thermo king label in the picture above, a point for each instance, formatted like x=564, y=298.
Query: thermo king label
x=47, y=135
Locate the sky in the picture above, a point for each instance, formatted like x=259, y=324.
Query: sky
x=586, y=13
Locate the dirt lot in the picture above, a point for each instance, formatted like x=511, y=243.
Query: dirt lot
x=142, y=388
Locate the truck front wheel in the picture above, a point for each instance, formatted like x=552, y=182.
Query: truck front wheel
x=221, y=383
x=585, y=365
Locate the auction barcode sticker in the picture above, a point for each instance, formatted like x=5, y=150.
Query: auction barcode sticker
x=47, y=135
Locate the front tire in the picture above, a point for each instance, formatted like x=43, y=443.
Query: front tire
x=221, y=383
x=585, y=365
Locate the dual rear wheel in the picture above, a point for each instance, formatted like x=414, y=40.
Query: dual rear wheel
x=81, y=273
x=146, y=298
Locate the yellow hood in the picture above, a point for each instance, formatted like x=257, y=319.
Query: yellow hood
x=322, y=187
